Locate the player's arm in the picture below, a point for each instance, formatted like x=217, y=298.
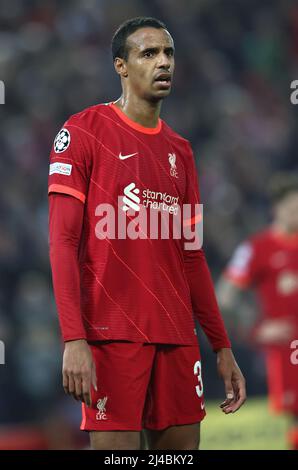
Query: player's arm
x=271, y=331
x=242, y=271
x=206, y=309
x=237, y=276
x=69, y=176
x=227, y=293
x=207, y=312
x=65, y=227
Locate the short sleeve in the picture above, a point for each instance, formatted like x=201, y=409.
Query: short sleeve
x=241, y=270
x=70, y=162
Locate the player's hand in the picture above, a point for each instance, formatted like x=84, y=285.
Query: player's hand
x=78, y=370
x=233, y=379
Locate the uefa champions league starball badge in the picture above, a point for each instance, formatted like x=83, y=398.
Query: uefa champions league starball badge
x=62, y=141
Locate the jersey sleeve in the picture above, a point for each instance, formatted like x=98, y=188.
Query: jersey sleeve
x=241, y=270
x=192, y=214
x=65, y=227
x=203, y=299
x=70, y=161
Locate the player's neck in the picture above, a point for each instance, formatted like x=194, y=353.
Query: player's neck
x=141, y=111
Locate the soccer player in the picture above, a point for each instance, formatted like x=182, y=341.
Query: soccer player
x=126, y=304
x=268, y=263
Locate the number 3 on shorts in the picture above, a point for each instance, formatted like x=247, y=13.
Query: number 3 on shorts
x=197, y=371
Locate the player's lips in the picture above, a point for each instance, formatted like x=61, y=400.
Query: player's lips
x=164, y=80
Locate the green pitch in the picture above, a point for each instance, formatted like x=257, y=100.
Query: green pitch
x=252, y=427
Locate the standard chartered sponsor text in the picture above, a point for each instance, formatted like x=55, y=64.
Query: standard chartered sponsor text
x=158, y=216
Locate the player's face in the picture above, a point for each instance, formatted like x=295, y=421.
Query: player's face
x=287, y=211
x=150, y=63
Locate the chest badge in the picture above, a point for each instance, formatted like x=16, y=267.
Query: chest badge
x=173, y=166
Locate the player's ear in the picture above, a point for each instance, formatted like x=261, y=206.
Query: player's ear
x=120, y=67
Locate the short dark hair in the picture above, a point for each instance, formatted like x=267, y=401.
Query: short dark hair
x=119, y=44
x=281, y=184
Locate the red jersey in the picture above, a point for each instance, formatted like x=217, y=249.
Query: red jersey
x=268, y=262
x=132, y=289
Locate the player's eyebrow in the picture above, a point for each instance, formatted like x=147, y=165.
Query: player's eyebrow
x=170, y=49
x=157, y=49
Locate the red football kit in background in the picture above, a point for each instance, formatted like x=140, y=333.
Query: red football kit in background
x=143, y=291
x=268, y=262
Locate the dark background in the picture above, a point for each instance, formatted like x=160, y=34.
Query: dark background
x=235, y=61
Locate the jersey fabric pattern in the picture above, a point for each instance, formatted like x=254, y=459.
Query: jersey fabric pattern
x=131, y=289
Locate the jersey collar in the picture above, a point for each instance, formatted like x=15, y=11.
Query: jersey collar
x=135, y=125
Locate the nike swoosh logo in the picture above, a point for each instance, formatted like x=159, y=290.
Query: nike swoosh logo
x=202, y=406
x=124, y=157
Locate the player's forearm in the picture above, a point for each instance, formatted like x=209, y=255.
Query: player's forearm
x=66, y=283
x=64, y=228
x=203, y=299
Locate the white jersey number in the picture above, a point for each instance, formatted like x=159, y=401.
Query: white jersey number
x=197, y=369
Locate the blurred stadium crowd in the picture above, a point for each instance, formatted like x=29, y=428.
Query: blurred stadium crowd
x=235, y=61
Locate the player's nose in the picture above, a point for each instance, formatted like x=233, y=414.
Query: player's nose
x=164, y=61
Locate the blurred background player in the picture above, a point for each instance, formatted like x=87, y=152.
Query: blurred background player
x=268, y=263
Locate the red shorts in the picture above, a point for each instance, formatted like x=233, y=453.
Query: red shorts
x=282, y=380
x=140, y=386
